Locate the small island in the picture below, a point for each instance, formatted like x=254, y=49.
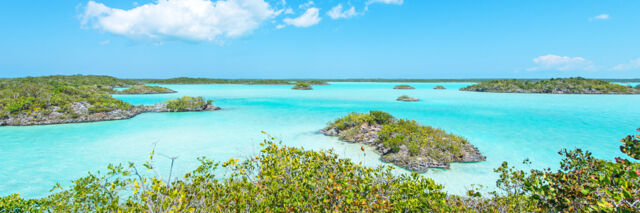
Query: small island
x=302, y=86
x=407, y=99
x=404, y=143
x=403, y=86
x=553, y=86
x=439, y=87
x=185, y=104
x=74, y=99
x=144, y=89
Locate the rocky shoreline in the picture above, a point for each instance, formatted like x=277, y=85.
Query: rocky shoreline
x=552, y=86
x=403, y=86
x=81, y=114
x=368, y=134
x=302, y=86
x=407, y=99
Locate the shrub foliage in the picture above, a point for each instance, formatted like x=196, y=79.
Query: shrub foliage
x=558, y=85
x=287, y=179
x=41, y=95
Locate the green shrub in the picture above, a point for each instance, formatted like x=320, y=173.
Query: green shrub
x=381, y=117
x=280, y=179
x=555, y=85
x=186, y=103
x=354, y=119
x=583, y=182
x=631, y=146
x=37, y=94
x=302, y=85
x=414, y=136
x=144, y=89
x=19, y=104
x=287, y=179
x=14, y=204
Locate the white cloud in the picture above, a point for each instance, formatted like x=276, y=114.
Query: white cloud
x=370, y=2
x=288, y=11
x=309, y=18
x=285, y=11
x=337, y=12
x=631, y=65
x=306, y=5
x=600, y=17
x=105, y=42
x=198, y=20
x=280, y=26
x=561, y=63
x=397, y=2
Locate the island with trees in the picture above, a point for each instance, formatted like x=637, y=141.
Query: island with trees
x=302, y=86
x=576, y=85
x=404, y=143
x=403, y=86
x=406, y=98
x=73, y=99
x=439, y=87
x=145, y=89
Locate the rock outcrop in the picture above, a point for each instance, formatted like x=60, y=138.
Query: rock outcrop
x=427, y=156
x=302, y=86
x=407, y=99
x=403, y=86
x=81, y=113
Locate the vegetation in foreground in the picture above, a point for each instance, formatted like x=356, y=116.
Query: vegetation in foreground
x=404, y=142
x=186, y=80
x=302, y=86
x=145, y=89
x=286, y=179
x=555, y=85
x=406, y=98
x=403, y=86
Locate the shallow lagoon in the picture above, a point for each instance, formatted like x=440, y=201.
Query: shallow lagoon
x=508, y=127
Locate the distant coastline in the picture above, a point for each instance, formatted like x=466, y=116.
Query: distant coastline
x=319, y=81
x=553, y=86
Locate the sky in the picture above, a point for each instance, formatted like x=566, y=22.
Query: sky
x=321, y=39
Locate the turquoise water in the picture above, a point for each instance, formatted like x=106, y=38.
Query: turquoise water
x=633, y=84
x=506, y=127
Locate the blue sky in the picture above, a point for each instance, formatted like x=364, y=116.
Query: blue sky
x=303, y=39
